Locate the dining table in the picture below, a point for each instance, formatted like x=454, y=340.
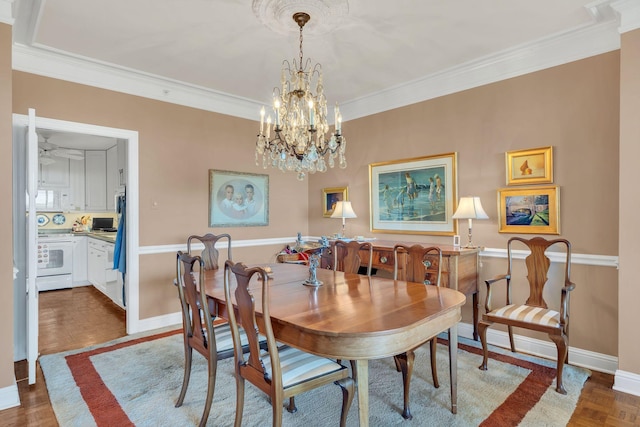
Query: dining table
x=351, y=317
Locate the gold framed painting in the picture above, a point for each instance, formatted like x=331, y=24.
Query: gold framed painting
x=332, y=195
x=533, y=166
x=534, y=210
x=414, y=196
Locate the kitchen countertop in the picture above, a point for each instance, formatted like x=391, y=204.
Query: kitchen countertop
x=105, y=236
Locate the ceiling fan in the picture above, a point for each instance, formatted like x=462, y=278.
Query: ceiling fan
x=48, y=151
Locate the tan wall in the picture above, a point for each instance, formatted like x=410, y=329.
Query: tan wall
x=629, y=226
x=573, y=107
x=177, y=147
x=6, y=228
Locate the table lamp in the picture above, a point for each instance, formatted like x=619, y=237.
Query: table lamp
x=343, y=210
x=470, y=208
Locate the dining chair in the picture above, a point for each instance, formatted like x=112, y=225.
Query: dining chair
x=281, y=372
x=534, y=313
x=422, y=265
x=210, y=254
x=346, y=256
x=199, y=332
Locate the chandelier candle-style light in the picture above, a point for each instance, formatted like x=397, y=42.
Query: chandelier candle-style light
x=300, y=124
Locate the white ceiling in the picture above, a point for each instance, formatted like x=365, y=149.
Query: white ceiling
x=221, y=46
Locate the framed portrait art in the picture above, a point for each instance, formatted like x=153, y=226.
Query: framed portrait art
x=533, y=166
x=414, y=196
x=330, y=196
x=534, y=210
x=238, y=199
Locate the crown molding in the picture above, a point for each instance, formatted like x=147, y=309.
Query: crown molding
x=6, y=15
x=592, y=39
x=628, y=14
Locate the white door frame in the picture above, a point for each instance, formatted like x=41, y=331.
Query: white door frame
x=132, y=228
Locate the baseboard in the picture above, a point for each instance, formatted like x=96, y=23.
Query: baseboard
x=158, y=322
x=9, y=396
x=627, y=382
x=547, y=349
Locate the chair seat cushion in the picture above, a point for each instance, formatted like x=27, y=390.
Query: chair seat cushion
x=299, y=366
x=224, y=340
x=527, y=314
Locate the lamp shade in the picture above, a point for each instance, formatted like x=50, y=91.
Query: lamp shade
x=343, y=210
x=470, y=207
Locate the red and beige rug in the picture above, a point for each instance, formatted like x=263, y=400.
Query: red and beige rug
x=135, y=381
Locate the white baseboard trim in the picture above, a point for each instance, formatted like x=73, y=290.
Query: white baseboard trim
x=159, y=322
x=577, y=357
x=9, y=396
x=627, y=382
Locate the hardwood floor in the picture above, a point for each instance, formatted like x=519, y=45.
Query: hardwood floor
x=69, y=319
x=80, y=317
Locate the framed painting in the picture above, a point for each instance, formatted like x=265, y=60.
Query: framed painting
x=534, y=166
x=332, y=195
x=534, y=210
x=238, y=199
x=414, y=196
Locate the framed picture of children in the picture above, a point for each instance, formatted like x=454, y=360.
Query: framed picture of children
x=330, y=196
x=238, y=199
x=414, y=196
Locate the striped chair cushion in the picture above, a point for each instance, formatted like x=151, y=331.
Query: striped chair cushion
x=299, y=366
x=224, y=340
x=528, y=314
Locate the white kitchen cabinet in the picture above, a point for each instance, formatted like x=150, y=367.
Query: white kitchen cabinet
x=122, y=162
x=77, y=186
x=113, y=177
x=55, y=175
x=100, y=269
x=95, y=180
x=80, y=260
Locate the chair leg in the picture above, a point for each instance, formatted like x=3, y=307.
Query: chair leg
x=276, y=407
x=354, y=373
x=348, y=391
x=482, y=331
x=405, y=361
x=561, y=344
x=434, y=361
x=188, y=356
x=511, y=342
x=239, y=400
x=211, y=386
x=291, y=407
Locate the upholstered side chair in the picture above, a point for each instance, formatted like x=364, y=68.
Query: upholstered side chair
x=272, y=372
x=533, y=313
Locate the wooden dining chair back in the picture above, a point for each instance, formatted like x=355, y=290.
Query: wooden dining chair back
x=533, y=313
x=346, y=256
x=282, y=372
x=422, y=265
x=210, y=253
x=199, y=332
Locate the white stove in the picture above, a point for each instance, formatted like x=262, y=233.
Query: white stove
x=55, y=257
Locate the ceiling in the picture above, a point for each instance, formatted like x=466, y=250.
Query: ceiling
x=236, y=47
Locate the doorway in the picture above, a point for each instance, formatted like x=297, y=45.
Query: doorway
x=22, y=141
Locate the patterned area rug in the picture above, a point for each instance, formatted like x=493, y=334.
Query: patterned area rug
x=136, y=380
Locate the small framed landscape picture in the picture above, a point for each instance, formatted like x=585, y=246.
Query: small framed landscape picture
x=332, y=195
x=238, y=199
x=533, y=166
x=534, y=210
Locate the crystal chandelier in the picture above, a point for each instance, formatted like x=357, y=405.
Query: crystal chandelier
x=300, y=125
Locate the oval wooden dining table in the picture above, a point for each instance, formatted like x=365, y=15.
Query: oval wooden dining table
x=353, y=317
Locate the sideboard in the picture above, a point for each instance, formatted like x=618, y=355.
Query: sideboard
x=459, y=267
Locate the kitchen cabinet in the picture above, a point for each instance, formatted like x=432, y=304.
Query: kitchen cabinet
x=95, y=180
x=113, y=177
x=55, y=175
x=122, y=162
x=80, y=260
x=100, y=270
x=76, y=187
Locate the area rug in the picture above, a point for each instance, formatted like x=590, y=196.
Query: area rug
x=135, y=381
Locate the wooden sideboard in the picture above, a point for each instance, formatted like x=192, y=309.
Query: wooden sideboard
x=459, y=267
